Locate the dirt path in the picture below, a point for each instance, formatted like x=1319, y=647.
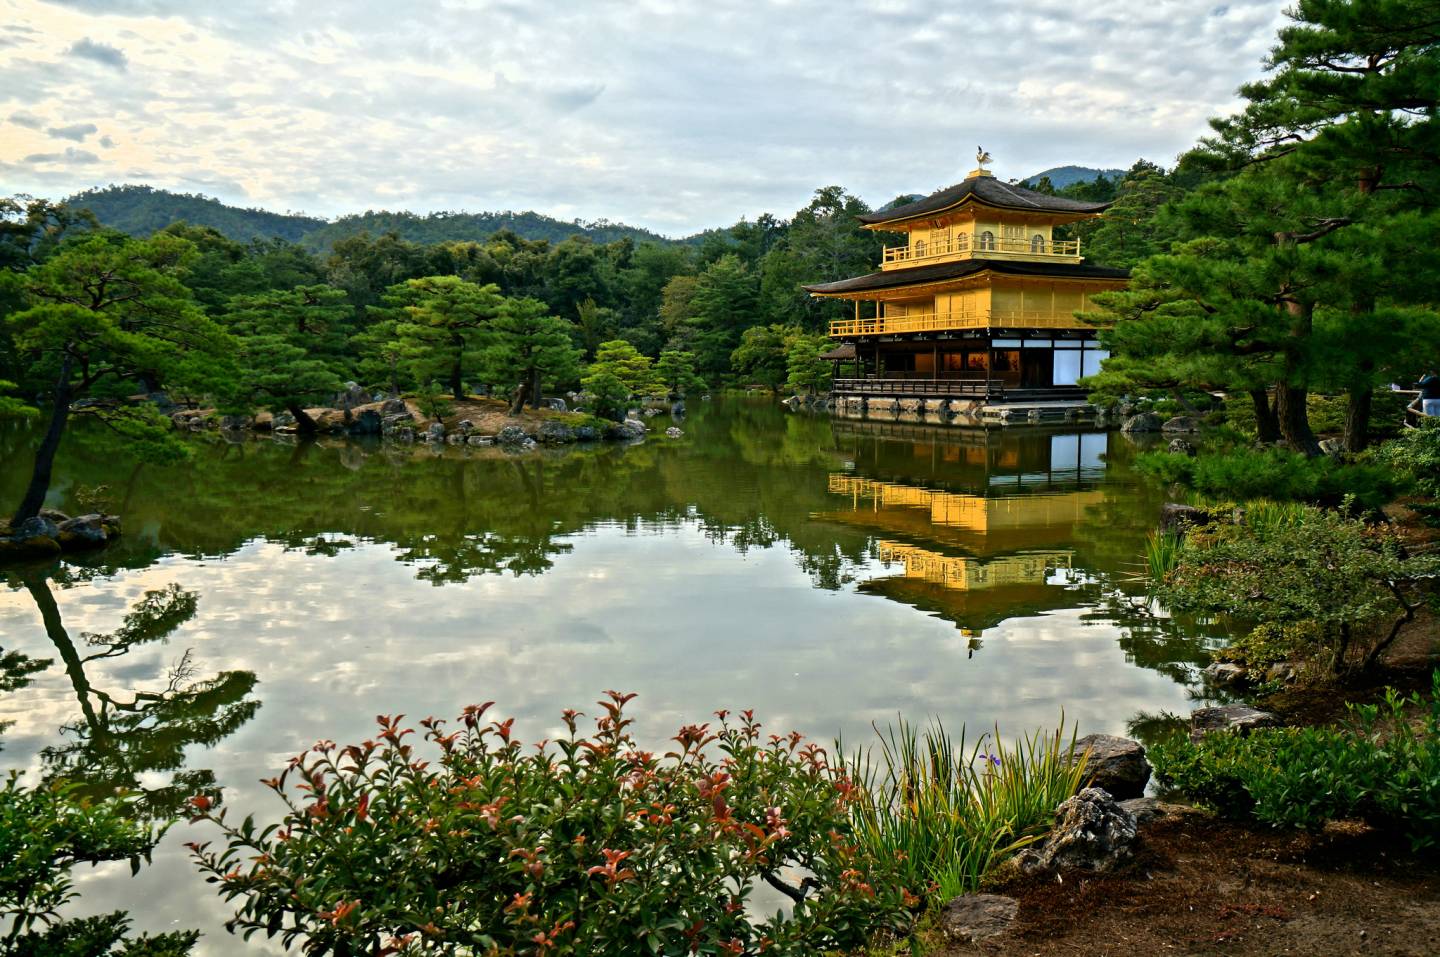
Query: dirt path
x=1203, y=887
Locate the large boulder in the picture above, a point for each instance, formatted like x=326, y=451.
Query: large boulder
x=82, y=532
x=1143, y=422
x=1231, y=718
x=1226, y=673
x=1117, y=765
x=394, y=407
x=555, y=404
x=586, y=433
x=1092, y=833
x=1177, y=518
x=512, y=435
x=972, y=918
x=367, y=422
x=37, y=526
x=351, y=396
x=554, y=432
x=1182, y=423
x=673, y=432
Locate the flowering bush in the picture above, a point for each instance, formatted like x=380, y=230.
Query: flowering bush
x=583, y=845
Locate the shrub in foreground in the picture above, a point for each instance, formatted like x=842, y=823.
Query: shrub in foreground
x=584, y=845
x=1378, y=767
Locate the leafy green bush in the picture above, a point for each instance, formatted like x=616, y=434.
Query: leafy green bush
x=587, y=845
x=1416, y=454
x=1379, y=767
x=947, y=813
x=44, y=832
x=1350, y=586
x=1271, y=473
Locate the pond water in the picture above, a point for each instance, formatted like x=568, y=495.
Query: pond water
x=830, y=574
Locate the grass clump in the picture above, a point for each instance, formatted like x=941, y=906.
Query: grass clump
x=948, y=812
x=1275, y=474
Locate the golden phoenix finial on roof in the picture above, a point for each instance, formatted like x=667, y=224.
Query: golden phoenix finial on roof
x=981, y=157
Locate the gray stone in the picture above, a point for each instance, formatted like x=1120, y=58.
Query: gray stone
x=1176, y=518
x=436, y=429
x=481, y=440
x=366, y=422
x=55, y=515
x=1182, y=447
x=1282, y=672
x=1091, y=833
x=629, y=429
x=465, y=426
x=1182, y=423
x=650, y=413
x=454, y=438
x=1117, y=765
x=283, y=420
x=678, y=408
x=351, y=396
x=555, y=433
x=512, y=435
x=1232, y=718
x=394, y=407
x=1142, y=422
x=234, y=423
x=1226, y=673
x=36, y=526
x=84, y=531
x=586, y=433
x=1146, y=809
x=1331, y=446
x=557, y=405
x=673, y=432
x=972, y=918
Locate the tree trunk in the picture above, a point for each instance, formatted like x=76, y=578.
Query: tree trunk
x=303, y=423
x=1295, y=419
x=1267, y=426
x=34, y=498
x=1357, y=418
x=535, y=389
x=1290, y=397
x=457, y=386
x=517, y=402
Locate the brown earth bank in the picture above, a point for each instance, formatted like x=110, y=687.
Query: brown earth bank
x=1203, y=886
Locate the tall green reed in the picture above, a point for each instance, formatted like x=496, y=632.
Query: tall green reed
x=948, y=812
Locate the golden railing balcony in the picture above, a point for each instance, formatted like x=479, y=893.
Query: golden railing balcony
x=980, y=244
x=950, y=321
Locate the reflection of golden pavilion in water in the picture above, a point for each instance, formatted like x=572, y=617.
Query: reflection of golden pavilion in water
x=983, y=559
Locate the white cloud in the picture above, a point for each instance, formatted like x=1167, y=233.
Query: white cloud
x=75, y=131
x=651, y=112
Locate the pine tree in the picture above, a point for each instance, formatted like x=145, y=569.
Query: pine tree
x=526, y=347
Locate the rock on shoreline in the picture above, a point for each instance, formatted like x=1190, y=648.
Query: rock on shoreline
x=50, y=533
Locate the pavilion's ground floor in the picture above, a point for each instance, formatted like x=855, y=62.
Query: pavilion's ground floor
x=989, y=365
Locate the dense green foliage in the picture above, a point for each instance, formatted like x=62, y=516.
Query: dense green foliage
x=1272, y=473
x=1380, y=766
x=585, y=844
x=1296, y=257
x=1345, y=586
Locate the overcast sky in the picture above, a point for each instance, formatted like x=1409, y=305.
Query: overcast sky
x=668, y=114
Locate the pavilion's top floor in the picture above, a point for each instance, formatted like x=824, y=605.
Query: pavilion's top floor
x=982, y=218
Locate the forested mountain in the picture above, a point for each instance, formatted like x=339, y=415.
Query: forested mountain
x=142, y=210
x=450, y=227
x=1063, y=176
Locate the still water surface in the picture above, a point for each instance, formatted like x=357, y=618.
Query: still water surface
x=830, y=574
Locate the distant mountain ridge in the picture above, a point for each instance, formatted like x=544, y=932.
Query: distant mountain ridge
x=1063, y=176
x=142, y=210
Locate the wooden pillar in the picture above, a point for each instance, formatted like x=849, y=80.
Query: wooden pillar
x=989, y=363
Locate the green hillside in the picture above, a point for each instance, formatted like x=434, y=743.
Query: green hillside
x=1063, y=176
x=141, y=210
x=440, y=227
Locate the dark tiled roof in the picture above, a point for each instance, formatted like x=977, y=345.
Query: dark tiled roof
x=917, y=275
x=987, y=190
x=846, y=350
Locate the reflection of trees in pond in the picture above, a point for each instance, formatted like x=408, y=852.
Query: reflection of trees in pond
x=122, y=738
x=16, y=671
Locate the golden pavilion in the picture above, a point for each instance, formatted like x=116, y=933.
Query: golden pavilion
x=978, y=301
